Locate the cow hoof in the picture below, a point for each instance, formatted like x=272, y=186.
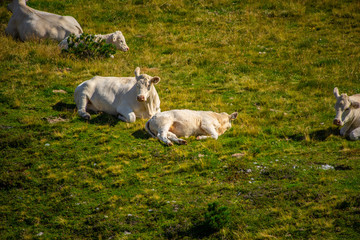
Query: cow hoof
x=87, y=117
x=182, y=142
x=169, y=144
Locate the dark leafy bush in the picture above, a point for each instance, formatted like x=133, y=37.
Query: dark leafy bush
x=216, y=217
x=87, y=46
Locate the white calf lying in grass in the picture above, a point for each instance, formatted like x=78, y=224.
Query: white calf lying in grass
x=347, y=114
x=117, y=39
x=168, y=126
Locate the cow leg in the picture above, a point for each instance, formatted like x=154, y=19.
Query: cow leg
x=343, y=131
x=210, y=130
x=172, y=137
x=81, y=105
x=163, y=133
x=126, y=115
x=355, y=134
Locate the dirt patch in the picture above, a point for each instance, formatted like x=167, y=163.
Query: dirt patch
x=53, y=120
x=59, y=91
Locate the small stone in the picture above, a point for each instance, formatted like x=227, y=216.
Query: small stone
x=59, y=91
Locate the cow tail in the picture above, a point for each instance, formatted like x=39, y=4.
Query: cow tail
x=147, y=128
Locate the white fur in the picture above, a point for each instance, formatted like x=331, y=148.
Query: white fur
x=168, y=126
x=347, y=114
x=116, y=38
x=27, y=23
x=126, y=97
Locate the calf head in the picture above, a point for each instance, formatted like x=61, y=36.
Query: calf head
x=144, y=84
x=343, y=108
x=118, y=39
x=225, y=121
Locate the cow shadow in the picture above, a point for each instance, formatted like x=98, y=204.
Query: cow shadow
x=323, y=134
x=96, y=118
x=103, y=119
x=141, y=134
x=64, y=107
x=318, y=135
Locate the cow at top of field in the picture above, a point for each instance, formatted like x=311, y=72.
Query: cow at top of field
x=347, y=114
x=169, y=125
x=116, y=38
x=27, y=23
x=127, y=98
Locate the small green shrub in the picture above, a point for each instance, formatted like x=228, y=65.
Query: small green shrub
x=216, y=217
x=87, y=46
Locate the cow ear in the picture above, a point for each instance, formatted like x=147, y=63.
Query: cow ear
x=233, y=115
x=355, y=105
x=336, y=92
x=155, y=80
x=137, y=72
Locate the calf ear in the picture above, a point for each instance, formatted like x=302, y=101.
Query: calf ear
x=137, y=72
x=155, y=80
x=336, y=92
x=233, y=115
x=355, y=105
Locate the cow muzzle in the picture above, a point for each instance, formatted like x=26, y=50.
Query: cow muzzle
x=140, y=98
x=337, y=122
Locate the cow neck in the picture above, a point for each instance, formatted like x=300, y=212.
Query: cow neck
x=150, y=103
x=349, y=124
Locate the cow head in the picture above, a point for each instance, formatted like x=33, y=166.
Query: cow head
x=225, y=122
x=343, y=107
x=118, y=39
x=144, y=84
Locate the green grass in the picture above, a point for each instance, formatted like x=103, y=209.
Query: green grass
x=275, y=62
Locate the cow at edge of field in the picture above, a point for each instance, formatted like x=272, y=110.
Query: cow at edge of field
x=347, y=114
x=169, y=125
x=27, y=23
x=116, y=38
x=127, y=98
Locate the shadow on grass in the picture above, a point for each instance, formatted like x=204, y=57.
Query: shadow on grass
x=103, y=119
x=198, y=231
x=99, y=119
x=64, y=107
x=141, y=134
x=318, y=135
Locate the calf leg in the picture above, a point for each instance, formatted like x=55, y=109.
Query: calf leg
x=355, y=134
x=174, y=138
x=209, y=129
x=163, y=133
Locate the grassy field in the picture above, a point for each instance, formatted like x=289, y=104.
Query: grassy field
x=282, y=171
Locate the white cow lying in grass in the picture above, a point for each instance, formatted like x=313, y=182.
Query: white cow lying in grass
x=117, y=39
x=127, y=98
x=27, y=23
x=168, y=126
x=347, y=114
